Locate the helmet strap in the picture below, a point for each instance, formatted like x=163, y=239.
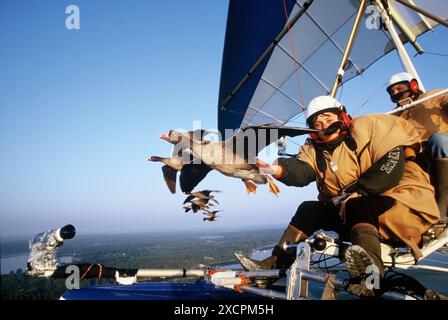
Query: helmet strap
x=343, y=125
x=414, y=92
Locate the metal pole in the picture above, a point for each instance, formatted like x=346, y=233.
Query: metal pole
x=341, y=284
x=427, y=267
x=406, y=60
x=425, y=22
x=405, y=30
x=348, y=48
x=423, y=12
x=265, y=292
x=264, y=273
x=156, y=273
x=271, y=47
x=412, y=104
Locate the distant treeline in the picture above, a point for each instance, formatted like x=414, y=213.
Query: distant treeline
x=137, y=251
x=19, y=286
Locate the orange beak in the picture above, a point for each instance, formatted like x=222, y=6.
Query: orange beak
x=165, y=136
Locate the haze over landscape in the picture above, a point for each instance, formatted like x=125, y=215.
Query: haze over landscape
x=81, y=111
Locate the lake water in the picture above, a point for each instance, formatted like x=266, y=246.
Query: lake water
x=15, y=262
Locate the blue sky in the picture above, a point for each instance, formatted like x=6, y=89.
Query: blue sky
x=80, y=112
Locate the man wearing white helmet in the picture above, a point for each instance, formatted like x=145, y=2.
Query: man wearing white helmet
x=430, y=119
x=368, y=163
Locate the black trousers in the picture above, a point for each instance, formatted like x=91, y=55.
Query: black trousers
x=315, y=215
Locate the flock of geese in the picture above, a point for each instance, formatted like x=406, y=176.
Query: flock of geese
x=233, y=157
x=202, y=200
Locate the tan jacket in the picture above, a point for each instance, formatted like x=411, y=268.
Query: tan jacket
x=375, y=135
x=430, y=116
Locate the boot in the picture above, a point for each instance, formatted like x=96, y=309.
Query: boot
x=367, y=237
x=439, y=179
x=280, y=258
x=365, y=253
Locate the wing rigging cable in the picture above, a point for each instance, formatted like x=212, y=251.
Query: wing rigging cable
x=303, y=64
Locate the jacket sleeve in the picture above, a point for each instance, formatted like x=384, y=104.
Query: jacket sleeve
x=444, y=102
x=296, y=172
x=382, y=175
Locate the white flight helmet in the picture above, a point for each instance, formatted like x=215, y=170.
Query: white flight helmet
x=398, y=78
x=321, y=104
x=403, y=77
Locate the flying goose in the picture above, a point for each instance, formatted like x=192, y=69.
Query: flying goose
x=235, y=157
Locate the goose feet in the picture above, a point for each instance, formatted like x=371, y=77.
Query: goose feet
x=272, y=186
x=250, y=186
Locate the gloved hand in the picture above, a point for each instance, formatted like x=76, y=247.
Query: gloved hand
x=274, y=169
